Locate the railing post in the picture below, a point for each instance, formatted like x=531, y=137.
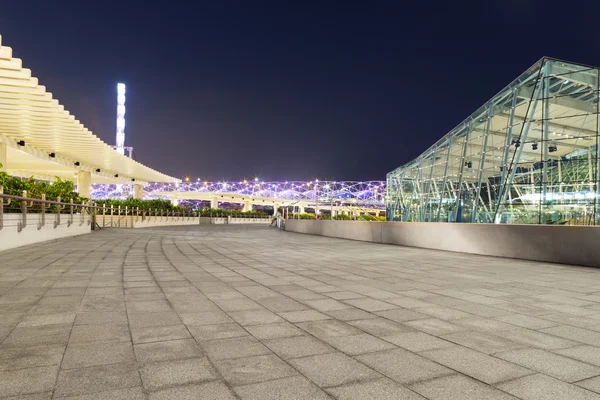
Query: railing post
x=70, y=221
x=43, y=214
x=81, y=213
x=23, y=222
x=104, y=215
x=119, y=215
x=91, y=211
x=57, y=219
x=2, y=204
x=126, y=212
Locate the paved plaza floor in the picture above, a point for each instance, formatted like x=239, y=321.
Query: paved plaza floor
x=251, y=312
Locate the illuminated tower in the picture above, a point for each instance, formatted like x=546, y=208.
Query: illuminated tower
x=120, y=118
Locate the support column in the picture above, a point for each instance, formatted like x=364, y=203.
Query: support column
x=247, y=206
x=300, y=209
x=175, y=201
x=84, y=184
x=214, y=203
x=138, y=192
x=2, y=157
x=275, y=208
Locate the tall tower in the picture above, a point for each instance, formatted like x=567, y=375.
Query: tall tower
x=120, y=118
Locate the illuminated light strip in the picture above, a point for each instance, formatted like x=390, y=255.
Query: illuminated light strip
x=121, y=118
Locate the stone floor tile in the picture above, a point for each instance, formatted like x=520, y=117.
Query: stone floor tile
x=403, y=366
x=96, y=305
x=536, y=339
x=147, y=306
x=159, y=333
x=543, y=387
x=303, y=316
x=551, y=364
x=205, y=318
x=434, y=326
x=482, y=341
x=380, y=327
x=408, y=302
x=297, y=346
x=304, y=295
x=371, y=305
x=328, y=328
x=167, y=350
x=223, y=349
x=238, y=305
x=400, y=315
x=147, y=319
x=417, y=341
x=585, y=353
x=208, y=391
x=294, y=387
x=478, y=365
x=347, y=295
x=333, y=369
x=527, y=321
x=179, y=372
x=243, y=371
x=10, y=319
x=574, y=333
x=255, y=317
x=592, y=384
x=274, y=331
x=101, y=318
x=350, y=314
x=359, y=344
x=444, y=313
x=96, y=379
x=379, y=389
x=88, y=355
x=30, y=380
x=47, y=319
x=218, y=331
x=458, y=387
x=29, y=357
x=99, y=333
x=326, y=305
x=38, y=335
x=134, y=393
x=282, y=304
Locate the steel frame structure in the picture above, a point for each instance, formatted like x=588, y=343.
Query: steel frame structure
x=370, y=194
x=529, y=155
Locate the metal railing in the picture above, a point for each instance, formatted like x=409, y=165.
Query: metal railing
x=23, y=207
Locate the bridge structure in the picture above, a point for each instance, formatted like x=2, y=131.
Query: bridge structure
x=333, y=197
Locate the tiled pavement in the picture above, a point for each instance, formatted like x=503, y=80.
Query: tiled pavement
x=229, y=312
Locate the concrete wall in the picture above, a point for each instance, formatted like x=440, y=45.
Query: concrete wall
x=578, y=245
x=10, y=237
x=114, y=221
x=223, y=220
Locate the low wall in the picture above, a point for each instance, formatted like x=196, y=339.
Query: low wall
x=132, y=221
x=11, y=238
x=577, y=245
x=223, y=220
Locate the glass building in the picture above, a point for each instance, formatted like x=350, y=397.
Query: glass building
x=527, y=156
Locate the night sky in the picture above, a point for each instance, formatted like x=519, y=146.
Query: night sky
x=287, y=90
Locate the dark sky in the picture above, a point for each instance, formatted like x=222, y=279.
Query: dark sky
x=287, y=89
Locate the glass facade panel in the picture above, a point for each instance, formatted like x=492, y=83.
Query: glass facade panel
x=527, y=156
